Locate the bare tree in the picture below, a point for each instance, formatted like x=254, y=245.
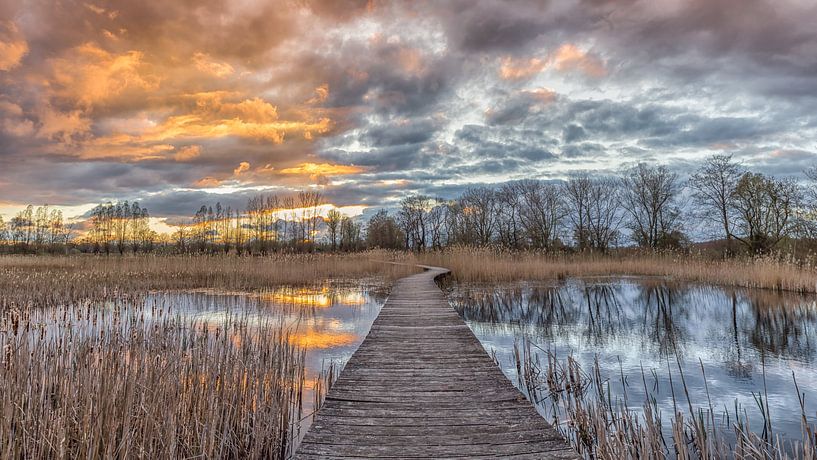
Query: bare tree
x=180, y=238
x=766, y=210
x=809, y=227
x=479, y=214
x=604, y=214
x=594, y=211
x=56, y=227
x=713, y=190
x=413, y=218
x=509, y=219
x=349, y=234
x=383, y=232
x=436, y=223
x=542, y=212
x=648, y=196
x=102, y=227
x=256, y=210
x=120, y=225
x=310, y=201
x=333, y=220
x=577, y=199
x=295, y=228
x=41, y=225
x=239, y=233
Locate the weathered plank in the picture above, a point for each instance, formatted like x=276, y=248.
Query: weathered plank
x=422, y=386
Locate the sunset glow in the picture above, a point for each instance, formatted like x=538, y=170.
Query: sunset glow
x=177, y=105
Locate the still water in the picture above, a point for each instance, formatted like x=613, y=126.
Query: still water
x=628, y=324
x=328, y=320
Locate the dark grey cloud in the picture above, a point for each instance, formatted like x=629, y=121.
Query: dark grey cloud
x=402, y=133
x=415, y=94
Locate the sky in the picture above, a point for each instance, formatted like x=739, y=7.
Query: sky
x=182, y=103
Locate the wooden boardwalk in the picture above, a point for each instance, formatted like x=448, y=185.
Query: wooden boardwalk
x=422, y=386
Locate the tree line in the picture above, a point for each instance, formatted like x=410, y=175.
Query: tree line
x=40, y=227
x=648, y=206
x=270, y=223
x=645, y=205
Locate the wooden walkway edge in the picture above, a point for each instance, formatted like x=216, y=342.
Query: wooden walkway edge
x=422, y=386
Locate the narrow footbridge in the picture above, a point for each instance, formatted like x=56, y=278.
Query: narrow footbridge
x=422, y=386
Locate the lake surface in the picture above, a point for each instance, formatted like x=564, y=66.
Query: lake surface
x=328, y=320
x=630, y=323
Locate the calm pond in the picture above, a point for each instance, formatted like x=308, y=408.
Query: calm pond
x=630, y=323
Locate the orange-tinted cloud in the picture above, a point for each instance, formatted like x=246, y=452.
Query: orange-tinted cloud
x=566, y=58
x=187, y=153
x=12, y=46
x=543, y=95
x=519, y=69
x=13, y=121
x=208, y=181
x=242, y=167
x=322, y=169
x=207, y=65
x=89, y=75
x=321, y=93
x=569, y=57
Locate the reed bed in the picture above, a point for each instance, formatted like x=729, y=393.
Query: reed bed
x=49, y=281
x=89, y=368
x=600, y=425
x=124, y=380
x=487, y=265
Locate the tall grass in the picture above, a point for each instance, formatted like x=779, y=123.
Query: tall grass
x=53, y=280
x=601, y=425
x=89, y=369
x=85, y=382
x=487, y=265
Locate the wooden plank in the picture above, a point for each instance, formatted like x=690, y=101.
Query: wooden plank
x=422, y=386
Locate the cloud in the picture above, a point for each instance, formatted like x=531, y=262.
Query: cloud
x=370, y=101
x=187, y=153
x=519, y=69
x=567, y=58
x=12, y=46
x=13, y=121
x=207, y=182
x=570, y=58
x=242, y=168
x=89, y=75
x=207, y=65
x=322, y=169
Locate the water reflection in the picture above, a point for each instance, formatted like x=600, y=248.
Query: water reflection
x=627, y=323
x=328, y=320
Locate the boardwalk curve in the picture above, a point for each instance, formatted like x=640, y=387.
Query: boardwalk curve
x=422, y=386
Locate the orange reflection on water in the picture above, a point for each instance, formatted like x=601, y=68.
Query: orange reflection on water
x=350, y=298
x=314, y=297
x=304, y=296
x=313, y=339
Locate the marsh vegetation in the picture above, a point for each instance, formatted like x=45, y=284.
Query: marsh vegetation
x=175, y=357
x=206, y=355
x=647, y=367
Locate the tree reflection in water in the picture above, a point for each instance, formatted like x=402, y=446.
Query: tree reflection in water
x=666, y=316
x=628, y=323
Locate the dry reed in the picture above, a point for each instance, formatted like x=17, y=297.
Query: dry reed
x=89, y=369
x=48, y=281
x=102, y=382
x=484, y=265
x=601, y=425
